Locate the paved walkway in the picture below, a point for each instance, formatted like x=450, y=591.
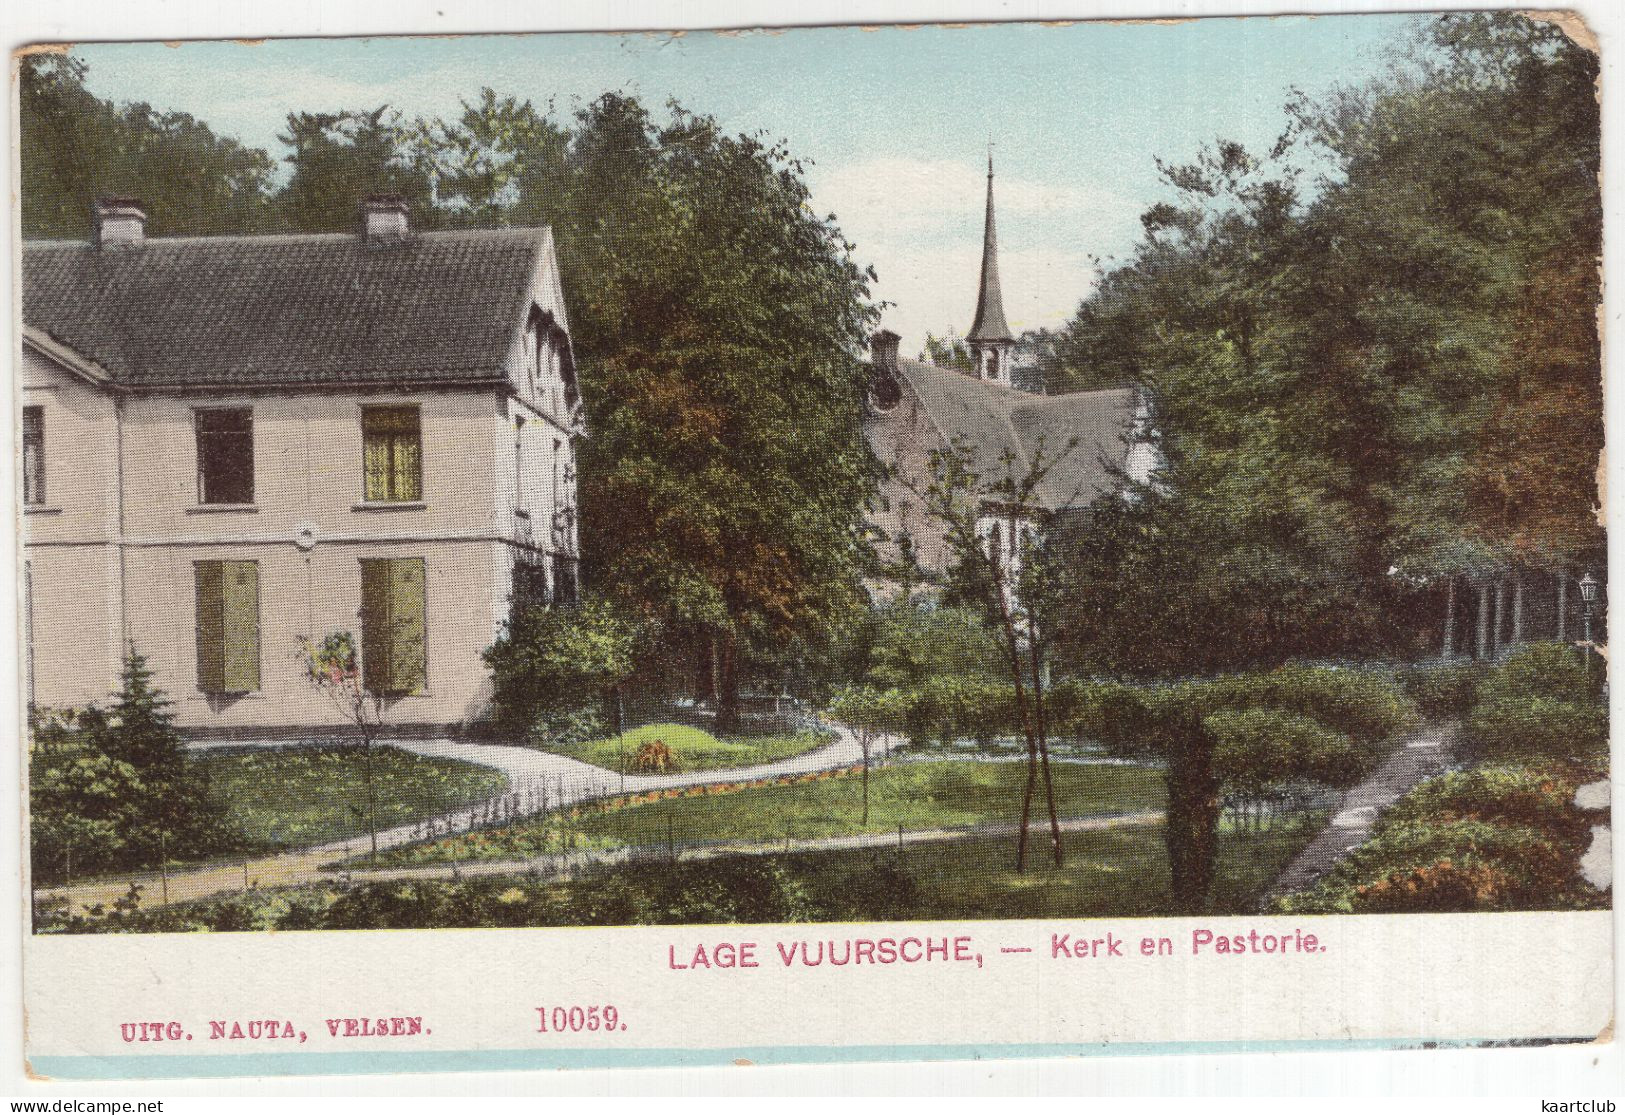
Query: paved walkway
x=567, y=863
x=538, y=781
x=1425, y=754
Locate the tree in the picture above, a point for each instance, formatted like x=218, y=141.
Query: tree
x=340, y=157
x=727, y=472
x=334, y=669
x=75, y=147
x=554, y=668
x=1014, y=581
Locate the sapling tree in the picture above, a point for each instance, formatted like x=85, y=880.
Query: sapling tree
x=993, y=528
x=334, y=668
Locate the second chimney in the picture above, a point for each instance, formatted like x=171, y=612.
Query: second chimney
x=883, y=350
x=118, y=222
x=383, y=218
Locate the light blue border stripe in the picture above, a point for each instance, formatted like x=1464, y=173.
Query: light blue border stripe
x=161, y=1066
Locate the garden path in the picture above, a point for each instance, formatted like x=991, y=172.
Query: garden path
x=1425, y=753
x=538, y=781
x=564, y=863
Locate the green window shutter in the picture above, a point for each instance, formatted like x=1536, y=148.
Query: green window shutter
x=211, y=610
x=375, y=625
x=240, y=581
x=408, y=657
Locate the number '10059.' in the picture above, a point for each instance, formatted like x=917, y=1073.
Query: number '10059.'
x=575, y=1020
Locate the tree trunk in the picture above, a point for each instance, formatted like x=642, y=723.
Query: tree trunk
x=1193, y=821
x=863, y=739
x=1013, y=650
x=1449, y=648
x=1500, y=615
x=1483, y=621
x=705, y=671
x=1517, y=609
x=1562, y=607
x=1042, y=730
x=727, y=684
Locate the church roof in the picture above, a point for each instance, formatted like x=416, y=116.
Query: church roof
x=994, y=420
x=306, y=310
x=990, y=324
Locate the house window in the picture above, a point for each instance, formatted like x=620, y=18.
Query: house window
x=394, y=656
x=228, y=626
x=33, y=455
x=565, y=588
x=225, y=455
x=392, y=454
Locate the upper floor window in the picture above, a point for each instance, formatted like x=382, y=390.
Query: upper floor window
x=392, y=454
x=34, y=455
x=225, y=455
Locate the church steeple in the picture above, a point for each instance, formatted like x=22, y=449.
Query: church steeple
x=990, y=338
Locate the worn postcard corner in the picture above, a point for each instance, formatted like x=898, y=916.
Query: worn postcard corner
x=741, y=567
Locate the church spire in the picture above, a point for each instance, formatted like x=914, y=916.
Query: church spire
x=990, y=338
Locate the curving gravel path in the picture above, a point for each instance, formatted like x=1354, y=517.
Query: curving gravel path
x=538, y=781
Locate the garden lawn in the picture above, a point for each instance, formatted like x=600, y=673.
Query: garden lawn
x=691, y=748
x=1120, y=872
x=1117, y=873
x=914, y=795
x=296, y=796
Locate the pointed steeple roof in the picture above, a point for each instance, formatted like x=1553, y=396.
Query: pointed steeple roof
x=990, y=324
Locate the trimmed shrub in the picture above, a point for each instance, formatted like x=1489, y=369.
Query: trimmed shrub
x=1446, y=691
x=1496, y=838
x=1257, y=750
x=1368, y=705
x=1452, y=866
x=1540, y=704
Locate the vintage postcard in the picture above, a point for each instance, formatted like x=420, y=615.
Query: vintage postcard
x=828, y=544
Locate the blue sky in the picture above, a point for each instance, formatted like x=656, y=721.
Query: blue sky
x=895, y=122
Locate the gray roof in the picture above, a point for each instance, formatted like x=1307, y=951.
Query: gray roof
x=226, y=311
x=993, y=419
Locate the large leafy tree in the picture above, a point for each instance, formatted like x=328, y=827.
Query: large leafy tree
x=76, y=147
x=1371, y=358
x=726, y=476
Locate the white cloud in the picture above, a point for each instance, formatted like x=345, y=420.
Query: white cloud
x=904, y=195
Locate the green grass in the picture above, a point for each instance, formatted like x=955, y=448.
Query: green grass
x=1117, y=873
x=914, y=795
x=692, y=748
x=294, y=796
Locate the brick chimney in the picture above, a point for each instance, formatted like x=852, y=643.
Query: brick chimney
x=883, y=351
x=383, y=219
x=118, y=222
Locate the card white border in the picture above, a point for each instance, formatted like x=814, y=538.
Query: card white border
x=1551, y=1071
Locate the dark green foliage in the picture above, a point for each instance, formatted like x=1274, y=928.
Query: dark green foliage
x=1260, y=749
x=555, y=670
x=1360, y=385
x=124, y=795
x=1498, y=838
x=1443, y=690
x=75, y=148
x=1541, y=704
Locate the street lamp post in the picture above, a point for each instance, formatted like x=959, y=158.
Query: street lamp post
x=1588, y=596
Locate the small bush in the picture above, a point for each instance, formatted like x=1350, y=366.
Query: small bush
x=652, y=757
x=1445, y=691
x=1541, y=705
x=1453, y=866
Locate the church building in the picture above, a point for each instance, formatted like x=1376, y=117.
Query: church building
x=915, y=408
